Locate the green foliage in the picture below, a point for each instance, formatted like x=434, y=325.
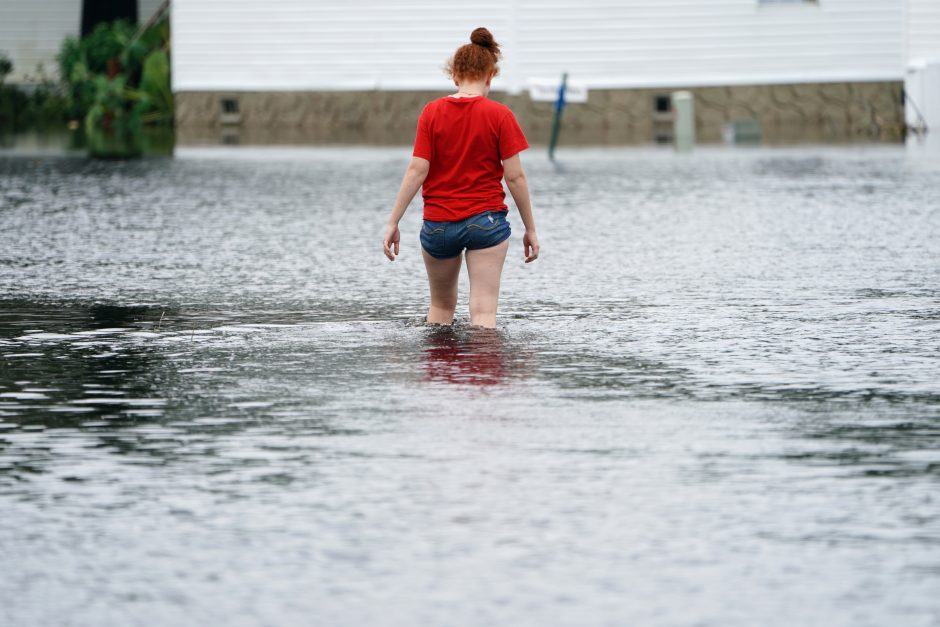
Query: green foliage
x=6, y=66
x=107, y=42
x=103, y=52
x=77, y=79
x=114, y=123
x=155, y=84
x=41, y=106
x=117, y=80
x=7, y=96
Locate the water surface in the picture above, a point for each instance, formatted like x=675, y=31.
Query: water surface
x=713, y=400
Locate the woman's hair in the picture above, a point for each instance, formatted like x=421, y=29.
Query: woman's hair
x=476, y=60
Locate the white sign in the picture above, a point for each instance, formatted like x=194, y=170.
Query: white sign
x=546, y=90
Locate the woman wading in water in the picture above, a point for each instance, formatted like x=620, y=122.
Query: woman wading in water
x=465, y=145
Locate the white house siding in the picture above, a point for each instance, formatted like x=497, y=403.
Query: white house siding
x=245, y=45
x=648, y=43
x=923, y=29
x=304, y=45
x=31, y=32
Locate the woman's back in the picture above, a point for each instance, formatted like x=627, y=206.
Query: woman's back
x=465, y=140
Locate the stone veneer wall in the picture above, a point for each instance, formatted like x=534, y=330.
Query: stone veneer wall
x=823, y=112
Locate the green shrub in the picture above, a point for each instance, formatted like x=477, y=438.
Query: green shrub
x=6, y=66
x=155, y=85
x=112, y=50
x=115, y=80
x=41, y=106
x=113, y=124
x=118, y=80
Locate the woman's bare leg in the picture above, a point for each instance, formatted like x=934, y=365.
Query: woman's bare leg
x=485, y=266
x=442, y=279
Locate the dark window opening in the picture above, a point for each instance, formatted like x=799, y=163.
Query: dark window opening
x=96, y=12
x=229, y=106
x=663, y=104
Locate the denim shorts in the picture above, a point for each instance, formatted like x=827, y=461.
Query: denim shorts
x=448, y=239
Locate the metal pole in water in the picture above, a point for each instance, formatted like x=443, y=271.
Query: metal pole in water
x=683, y=121
x=556, y=122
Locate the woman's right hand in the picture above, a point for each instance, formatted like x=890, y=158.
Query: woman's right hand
x=391, y=239
x=530, y=246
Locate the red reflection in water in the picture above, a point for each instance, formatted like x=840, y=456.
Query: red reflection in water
x=474, y=356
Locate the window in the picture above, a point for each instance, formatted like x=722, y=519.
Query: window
x=229, y=106
x=95, y=12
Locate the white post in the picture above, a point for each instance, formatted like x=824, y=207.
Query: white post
x=922, y=88
x=922, y=107
x=683, y=121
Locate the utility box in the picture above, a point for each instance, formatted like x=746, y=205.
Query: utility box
x=683, y=121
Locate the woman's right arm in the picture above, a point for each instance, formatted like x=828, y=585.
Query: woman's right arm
x=519, y=188
x=410, y=184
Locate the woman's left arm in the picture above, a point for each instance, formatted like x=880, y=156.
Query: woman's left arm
x=410, y=184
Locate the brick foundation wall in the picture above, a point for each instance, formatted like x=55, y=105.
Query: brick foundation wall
x=798, y=113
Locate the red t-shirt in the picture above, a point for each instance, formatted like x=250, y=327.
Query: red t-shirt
x=466, y=141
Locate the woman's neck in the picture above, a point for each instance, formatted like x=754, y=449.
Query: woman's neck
x=469, y=89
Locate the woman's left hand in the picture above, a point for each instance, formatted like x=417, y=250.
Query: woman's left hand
x=391, y=239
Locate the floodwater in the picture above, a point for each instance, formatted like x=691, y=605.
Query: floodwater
x=714, y=401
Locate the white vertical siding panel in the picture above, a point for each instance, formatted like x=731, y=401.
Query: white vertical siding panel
x=371, y=44
x=31, y=33
x=923, y=29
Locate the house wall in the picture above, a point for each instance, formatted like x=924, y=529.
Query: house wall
x=32, y=31
x=297, y=45
x=922, y=36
